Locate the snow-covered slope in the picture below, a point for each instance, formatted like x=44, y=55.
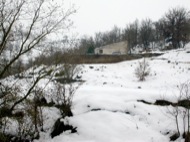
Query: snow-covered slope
x=106, y=106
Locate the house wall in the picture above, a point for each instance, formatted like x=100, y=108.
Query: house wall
x=111, y=49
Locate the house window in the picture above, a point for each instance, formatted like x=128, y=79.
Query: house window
x=100, y=51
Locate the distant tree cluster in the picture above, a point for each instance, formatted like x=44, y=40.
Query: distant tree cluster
x=173, y=28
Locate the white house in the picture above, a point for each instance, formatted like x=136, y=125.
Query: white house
x=119, y=48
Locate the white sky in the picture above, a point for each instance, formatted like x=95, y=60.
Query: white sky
x=101, y=15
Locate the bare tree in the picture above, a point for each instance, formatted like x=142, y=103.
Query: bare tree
x=130, y=34
x=86, y=45
x=159, y=33
x=115, y=35
x=25, y=24
x=146, y=33
x=98, y=39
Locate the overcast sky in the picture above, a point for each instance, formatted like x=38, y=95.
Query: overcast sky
x=101, y=15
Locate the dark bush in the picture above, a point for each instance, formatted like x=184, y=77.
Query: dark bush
x=65, y=110
x=60, y=127
x=174, y=137
x=163, y=103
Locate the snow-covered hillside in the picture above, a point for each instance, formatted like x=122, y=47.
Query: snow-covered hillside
x=106, y=106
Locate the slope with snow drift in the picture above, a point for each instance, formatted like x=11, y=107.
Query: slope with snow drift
x=106, y=106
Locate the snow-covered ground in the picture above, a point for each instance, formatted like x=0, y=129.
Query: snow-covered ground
x=106, y=106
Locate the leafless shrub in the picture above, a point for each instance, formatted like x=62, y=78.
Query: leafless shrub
x=64, y=98
x=185, y=94
x=180, y=111
x=71, y=70
x=8, y=95
x=175, y=112
x=142, y=70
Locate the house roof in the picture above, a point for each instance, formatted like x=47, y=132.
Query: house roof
x=114, y=45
